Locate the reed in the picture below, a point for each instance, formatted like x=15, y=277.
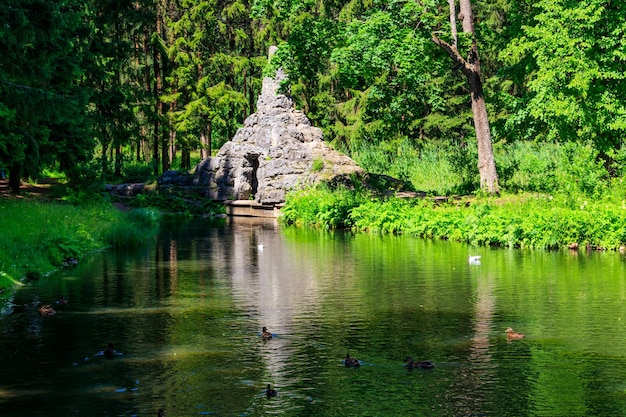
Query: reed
x=428, y=169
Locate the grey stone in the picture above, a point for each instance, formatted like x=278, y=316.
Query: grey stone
x=277, y=150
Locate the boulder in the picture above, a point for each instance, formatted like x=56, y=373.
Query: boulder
x=277, y=150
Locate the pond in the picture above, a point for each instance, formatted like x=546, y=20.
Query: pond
x=185, y=316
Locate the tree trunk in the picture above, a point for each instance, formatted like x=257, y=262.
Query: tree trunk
x=15, y=178
x=471, y=69
x=185, y=158
x=158, y=86
x=205, y=141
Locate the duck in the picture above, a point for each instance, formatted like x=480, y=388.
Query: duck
x=269, y=392
x=351, y=362
x=512, y=335
x=473, y=259
x=46, y=310
x=265, y=334
x=411, y=364
x=109, y=352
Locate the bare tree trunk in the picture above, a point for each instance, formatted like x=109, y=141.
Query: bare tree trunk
x=185, y=158
x=453, y=22
x=157, y=112
x=204, y=153
x=209, y=137
x=158, y=88
x=471, y=69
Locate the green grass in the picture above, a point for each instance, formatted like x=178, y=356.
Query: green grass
x=36, y=237
x=539, y=221
x=428, y=169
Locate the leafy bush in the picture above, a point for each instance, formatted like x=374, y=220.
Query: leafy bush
x=552, y=167
x=529, y=221
x=138, y=172
x=321, y=207
x=177, y=203
x=85, y=178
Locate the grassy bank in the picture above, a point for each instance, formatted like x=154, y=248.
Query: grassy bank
x=37, y=237
x=521, y=220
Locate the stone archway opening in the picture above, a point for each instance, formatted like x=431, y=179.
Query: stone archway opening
x=253, y=160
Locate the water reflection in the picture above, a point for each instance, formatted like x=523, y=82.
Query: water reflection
x=186, y=314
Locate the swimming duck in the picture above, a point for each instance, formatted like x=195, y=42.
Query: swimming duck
x=266, y=334
x=270, y=392
x=511, y=335
x=473, y=260
x=351, y=362
x=46, y=310
x=109, y=352
x=411, y=364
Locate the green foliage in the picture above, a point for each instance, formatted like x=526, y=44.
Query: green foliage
x=85, y=182
x=540, y=167
x=136, y=172
x=429, y=169
x=177, y=203
x=321, y=207
x=38, y=237
x=532, y=222
x=42, y=98
x=569, y=57
x=318, y=165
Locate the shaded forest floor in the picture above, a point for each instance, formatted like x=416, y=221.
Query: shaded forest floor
x=43, y=189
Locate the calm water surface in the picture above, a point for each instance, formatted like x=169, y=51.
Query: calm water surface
x=185, y=316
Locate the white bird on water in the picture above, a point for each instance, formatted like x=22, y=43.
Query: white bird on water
x=260, y=247
x=474, y=260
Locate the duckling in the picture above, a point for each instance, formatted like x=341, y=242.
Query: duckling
x=351, y=362
x=270, y=392
x=411, y=364
x=511, y=335
x=46, y=310
x=109, y=352
x=266, y=334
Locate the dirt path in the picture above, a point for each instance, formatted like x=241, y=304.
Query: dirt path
x=42, y=189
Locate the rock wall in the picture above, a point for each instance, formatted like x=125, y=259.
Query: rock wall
x=277, y=150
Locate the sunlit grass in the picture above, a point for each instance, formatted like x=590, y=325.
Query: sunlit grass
x=37, y=237
x=426, y=170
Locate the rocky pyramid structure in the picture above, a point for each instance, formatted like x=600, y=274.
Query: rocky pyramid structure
x=277, y=150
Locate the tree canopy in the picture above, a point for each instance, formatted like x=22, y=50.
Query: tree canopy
x=119, y=83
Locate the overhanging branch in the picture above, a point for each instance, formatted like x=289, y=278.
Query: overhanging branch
x=454, y=54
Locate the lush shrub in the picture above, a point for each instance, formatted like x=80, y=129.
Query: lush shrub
x=551, y=168
x=527, y=220
x=177, y=203
x=135, y=172
x=322, y=207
